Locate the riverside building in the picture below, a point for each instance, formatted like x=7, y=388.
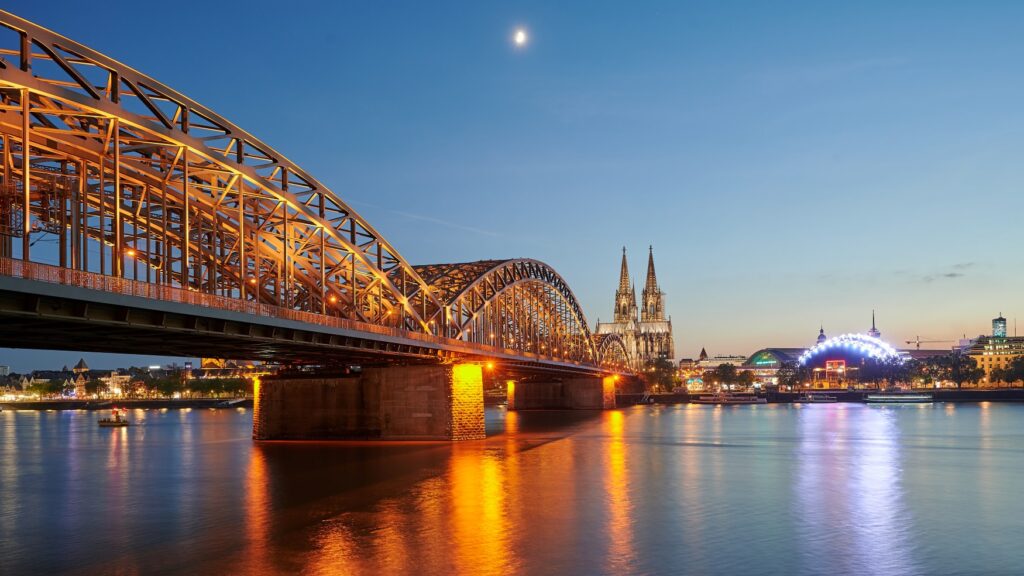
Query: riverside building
x=996, y=351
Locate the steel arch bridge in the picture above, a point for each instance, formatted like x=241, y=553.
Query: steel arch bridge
x=612, y=351
x=113, y=182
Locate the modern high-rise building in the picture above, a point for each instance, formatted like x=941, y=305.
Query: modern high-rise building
x=999, y=326
x=645, y=330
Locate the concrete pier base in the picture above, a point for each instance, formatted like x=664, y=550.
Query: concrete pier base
x=393, y=403
x=581, y=393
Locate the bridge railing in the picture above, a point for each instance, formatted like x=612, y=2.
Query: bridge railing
x=127, y=287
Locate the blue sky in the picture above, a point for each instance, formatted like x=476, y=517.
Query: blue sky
x=791, y=163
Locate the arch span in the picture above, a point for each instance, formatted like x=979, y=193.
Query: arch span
x=129, y=178
x=519, y=304
x=612, y=352
x=137, y=187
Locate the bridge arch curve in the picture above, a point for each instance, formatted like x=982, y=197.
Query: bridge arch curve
x=612, y=352
x=139, y=181
x=134, y=184
x=520, y=304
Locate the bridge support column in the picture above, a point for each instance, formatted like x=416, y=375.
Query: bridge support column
x=582, y=393
x=431, y=402
x=393, y=403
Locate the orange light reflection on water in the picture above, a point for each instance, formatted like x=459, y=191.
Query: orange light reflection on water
x=617, y=487
x=257, y=510
x=478, y=511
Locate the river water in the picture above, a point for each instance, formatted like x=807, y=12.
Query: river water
x=776, y=489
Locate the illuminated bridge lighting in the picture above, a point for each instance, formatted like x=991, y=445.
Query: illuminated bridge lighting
x=191, y=209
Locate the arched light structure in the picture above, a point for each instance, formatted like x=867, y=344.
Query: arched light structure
x=612, y=352
x=128, y=179
x=863, y=344
x=518, y=304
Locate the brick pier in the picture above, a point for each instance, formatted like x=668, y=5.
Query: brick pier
x=392, y=403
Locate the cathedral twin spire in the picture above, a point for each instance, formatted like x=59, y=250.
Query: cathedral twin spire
x=653, y=309
x=625, y=296
x=645, y=331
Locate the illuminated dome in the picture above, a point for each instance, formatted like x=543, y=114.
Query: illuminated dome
x=860, y=345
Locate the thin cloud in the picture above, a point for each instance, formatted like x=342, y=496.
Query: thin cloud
x=446, y=223
x=946, y=275
x=431, y=219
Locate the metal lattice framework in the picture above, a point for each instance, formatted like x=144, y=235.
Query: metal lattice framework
x=611, y=351
x=518, y=304
x=104, y=170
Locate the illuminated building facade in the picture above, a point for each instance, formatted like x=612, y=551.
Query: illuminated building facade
x=999, y=327
x=996, y=351
x=839, y=362
x=645, y=331
x=765, y=363
x=834, y=362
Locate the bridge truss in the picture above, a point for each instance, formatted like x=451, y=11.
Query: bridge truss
x=105, y=171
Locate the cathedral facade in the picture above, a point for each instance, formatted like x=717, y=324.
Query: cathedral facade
x=645, y=330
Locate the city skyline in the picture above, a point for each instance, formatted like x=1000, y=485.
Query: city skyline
x=780, y=187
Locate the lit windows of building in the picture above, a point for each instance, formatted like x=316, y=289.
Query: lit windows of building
x=999, y=327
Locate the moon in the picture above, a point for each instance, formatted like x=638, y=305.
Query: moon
x=520, y=37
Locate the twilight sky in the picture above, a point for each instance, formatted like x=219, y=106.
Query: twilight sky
x=791, y=163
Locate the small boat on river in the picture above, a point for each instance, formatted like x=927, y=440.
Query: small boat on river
x=727, y=398
x=896, y=398
x=117, y=419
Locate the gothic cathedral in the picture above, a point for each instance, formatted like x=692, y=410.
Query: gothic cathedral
x=645, y=331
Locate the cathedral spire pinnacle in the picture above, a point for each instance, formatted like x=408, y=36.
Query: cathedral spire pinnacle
x=653, y=309
x=625, y=296
x=652, y=278
x=624, y=273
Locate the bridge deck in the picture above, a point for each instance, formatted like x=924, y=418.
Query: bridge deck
x=49, y=307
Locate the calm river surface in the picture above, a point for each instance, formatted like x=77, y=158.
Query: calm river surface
x=841, y=489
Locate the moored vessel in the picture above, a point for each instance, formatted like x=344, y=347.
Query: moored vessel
x=811, y=398
x=117, y=419
x=897, y=398
x=727, y=398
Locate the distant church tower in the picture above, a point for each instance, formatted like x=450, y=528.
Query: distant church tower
x=654, y=309
x=821, y=335
x=645, y=331
x=625, y=296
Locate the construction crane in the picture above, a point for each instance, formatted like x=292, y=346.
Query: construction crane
x=918, y=341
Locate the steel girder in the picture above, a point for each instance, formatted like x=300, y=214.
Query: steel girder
x=106, y=171
x=612, y=352
x=519, y=304
x=135, y=180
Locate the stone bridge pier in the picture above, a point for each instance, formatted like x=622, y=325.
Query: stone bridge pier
x=575, y=393
x=419, y=402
